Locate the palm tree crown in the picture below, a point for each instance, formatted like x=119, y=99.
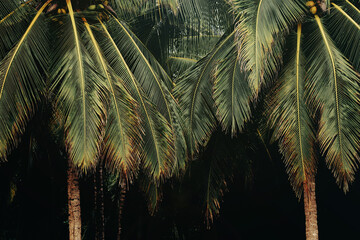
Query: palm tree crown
x=302, y=58
x=110, y=96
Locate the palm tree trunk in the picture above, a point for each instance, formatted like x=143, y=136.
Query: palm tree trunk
x=102, y=208
x=121, y=205
x=96, y=207
x=312, y=232
x=74, y=203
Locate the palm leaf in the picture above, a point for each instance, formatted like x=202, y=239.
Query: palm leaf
x=133, y=8
x=232, y=93
x=344, y=26
x=194, y=91
x=289, y=116
x=79, y=93
x=223, y=158
x=21, y=81
x=152, y=78
x=123, y=131
x=333, y=88
x=178, y=65
x=153, y=193
x=258, y=24
x=157, y=154
x=7, y=7
x=13, y=26
x=219, y=170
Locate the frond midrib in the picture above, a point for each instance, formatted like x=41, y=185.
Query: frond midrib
x=318, y=21
x=82, y=75
x=298, y=44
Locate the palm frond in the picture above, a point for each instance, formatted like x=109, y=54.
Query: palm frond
x=194, y=91
x=232, y=93
x=260, y=26
x=289, y=116
x=153, y=193
x=157, y=154
x=133, y=8
x=21, y=81
x=154, y=81
x=123, y=132
x=80, y=92
x=178, y=65
x=218, y=173
x=151, y=76
x=334, y=90
x=344, y=26
x=195, y=47
x=7, y=7
x=13, y=26
x=222, y=159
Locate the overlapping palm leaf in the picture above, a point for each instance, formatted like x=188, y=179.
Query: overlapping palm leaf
x=161, y=136
x=123, y=130
x=131, y=8
x=334, y=89
x=232, y=93
x=13, y=24
x=316, y=78
x=194, y=91
x=22, y=74
x=178, y=65
x=344, y=27
x=259, y=23
x=289, y=115
x=80, y=92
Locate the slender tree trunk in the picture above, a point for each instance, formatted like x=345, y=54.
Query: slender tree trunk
x=102, y=208
x=121, y=205
x=96, y=207
x=99, y=208
x=312, y=232
x=74, y=203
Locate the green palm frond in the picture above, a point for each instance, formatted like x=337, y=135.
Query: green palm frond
x=260, y=26
x=123, y=131
x=334, y=90
x=219, y=171
x=153, y=193
x=178, y=65
x=21, y=81
x=154, y=81
x=344, y=26
x=13, y=26
x=194, y=91
x=157, y=153
x=224, y=158
x=151, y=76
x=180, y=144
x=289, y=116
x=80, y=92
x=232, y=93
x=7, y=7
x=191, y=48
x=185, y=7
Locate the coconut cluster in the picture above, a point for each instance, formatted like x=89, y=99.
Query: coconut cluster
x=311, y=5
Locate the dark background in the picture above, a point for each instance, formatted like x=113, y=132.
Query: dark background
x=265, y=208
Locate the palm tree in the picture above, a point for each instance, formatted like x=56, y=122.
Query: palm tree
x=303, y=62
x=110, y=96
